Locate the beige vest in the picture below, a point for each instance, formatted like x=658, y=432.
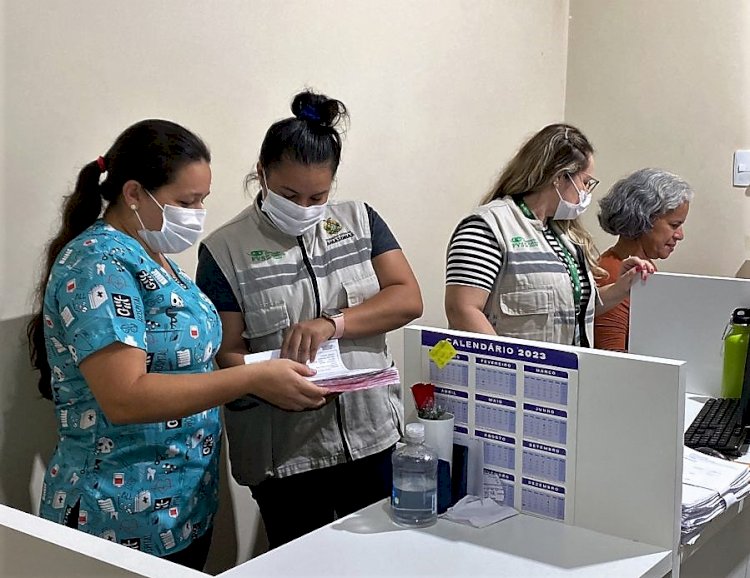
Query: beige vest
x=532, y=296
x=279, y=280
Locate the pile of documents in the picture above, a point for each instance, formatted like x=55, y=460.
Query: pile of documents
x=709, y=486
x=331, y=372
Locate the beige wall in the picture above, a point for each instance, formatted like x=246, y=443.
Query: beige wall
x=440, y=93
x=667, y=84
x=439, y=96
x=4, y=147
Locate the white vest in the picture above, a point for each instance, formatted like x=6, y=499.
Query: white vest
x=278, y=281
x=532, y=297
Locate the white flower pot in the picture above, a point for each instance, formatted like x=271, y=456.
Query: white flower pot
x=438, y=434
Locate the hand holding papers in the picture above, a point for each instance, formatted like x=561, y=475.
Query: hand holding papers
x=333, y=374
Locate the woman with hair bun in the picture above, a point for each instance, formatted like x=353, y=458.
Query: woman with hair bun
x=646, y=210
x=289, y=272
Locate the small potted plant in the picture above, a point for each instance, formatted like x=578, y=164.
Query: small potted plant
x=424, y=400
x=432, y=410
x=437, y=421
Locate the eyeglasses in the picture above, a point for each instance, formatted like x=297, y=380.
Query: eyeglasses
x=591, y=183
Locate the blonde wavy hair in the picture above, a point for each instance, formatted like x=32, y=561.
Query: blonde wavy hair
x=555, y=150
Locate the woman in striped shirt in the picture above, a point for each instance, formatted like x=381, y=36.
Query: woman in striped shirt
x=522, y=265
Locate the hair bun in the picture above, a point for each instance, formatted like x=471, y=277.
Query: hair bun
x=318, y=109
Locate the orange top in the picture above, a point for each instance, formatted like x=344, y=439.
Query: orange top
x=611, y=328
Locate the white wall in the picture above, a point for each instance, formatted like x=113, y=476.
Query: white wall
x=667, y=84
x=440, y=93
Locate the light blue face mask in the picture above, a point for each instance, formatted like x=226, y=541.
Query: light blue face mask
x=180, y=228
x=567, y=211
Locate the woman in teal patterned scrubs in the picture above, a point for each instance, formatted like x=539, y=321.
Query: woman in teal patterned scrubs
x=125, y=343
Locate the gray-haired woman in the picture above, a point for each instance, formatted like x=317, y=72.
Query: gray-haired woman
x=647, y=210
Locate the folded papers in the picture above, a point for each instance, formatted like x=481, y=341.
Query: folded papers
x=331, y=372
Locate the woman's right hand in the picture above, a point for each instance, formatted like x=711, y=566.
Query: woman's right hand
x=282, y=382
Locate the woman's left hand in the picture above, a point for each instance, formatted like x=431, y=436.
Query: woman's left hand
x=303, y=339
x=632, y=266
x=632, y=269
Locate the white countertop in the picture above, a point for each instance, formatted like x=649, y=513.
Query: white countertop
x=43, y=548
x=368, y=543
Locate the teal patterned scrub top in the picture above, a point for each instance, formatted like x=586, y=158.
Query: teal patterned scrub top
x=154, y=486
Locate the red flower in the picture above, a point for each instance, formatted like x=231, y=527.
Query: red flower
x=424, y=395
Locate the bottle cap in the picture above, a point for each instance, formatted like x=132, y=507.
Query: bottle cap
x=415, y=431
x=741, y=316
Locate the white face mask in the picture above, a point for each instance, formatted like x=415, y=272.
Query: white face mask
x=180, y=228
x=567, y=211
x=288, y=216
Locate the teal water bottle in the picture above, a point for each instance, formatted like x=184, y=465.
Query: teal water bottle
x=736, y=338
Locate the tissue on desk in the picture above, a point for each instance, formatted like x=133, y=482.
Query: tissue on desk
x=478, y=512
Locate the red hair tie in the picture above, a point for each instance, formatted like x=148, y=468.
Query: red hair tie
x=102, y=164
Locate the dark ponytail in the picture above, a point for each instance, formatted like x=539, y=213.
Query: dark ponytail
x=310, y=137
x=150, y=152
x=80, y=209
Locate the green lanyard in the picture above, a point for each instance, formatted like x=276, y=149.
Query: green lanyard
x=575, y=279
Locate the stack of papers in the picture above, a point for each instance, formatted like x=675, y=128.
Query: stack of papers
x=709, y=486
x=333, y=374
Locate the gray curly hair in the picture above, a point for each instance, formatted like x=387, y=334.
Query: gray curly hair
x=633, y=203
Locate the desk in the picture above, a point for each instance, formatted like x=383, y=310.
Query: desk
x=368, y=543
x=722, y=548
x=32, y=546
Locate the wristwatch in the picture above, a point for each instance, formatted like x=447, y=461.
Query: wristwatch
x=337, y=317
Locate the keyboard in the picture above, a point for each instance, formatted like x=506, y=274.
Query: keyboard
x=718, y=426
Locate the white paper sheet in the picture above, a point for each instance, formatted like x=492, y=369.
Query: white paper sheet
x=331, y=371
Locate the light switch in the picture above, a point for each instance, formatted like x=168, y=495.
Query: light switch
x=741, y=170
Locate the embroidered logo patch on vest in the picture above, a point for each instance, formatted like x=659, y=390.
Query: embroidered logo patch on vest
x=261, y=255
x=331, y=226
x=335, y=231
x=518, y=242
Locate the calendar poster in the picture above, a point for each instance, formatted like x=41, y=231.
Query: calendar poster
x=517, y=405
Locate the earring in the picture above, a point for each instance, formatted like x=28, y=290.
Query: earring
x=134, y=207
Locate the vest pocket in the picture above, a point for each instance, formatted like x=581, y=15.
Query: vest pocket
x=527, y=302
x=266, y=319
x=358, y=290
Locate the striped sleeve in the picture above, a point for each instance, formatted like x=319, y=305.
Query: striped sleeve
x=474, y=256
